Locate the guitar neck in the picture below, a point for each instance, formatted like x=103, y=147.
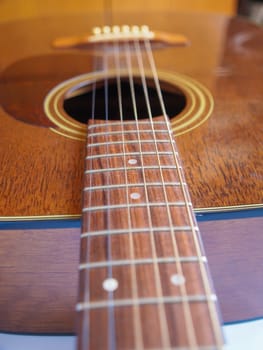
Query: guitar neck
x=144, y=281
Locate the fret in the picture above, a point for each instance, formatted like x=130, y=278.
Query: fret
x=125, y=136
x=127, y=142
x=127, y=132
x=129, y=154
x=139, y=205
x=125, y=123
x=181, y=259
x=152, y=167
x=135, y=177
x=145, y=301
x=139, y=230
x=147, y=184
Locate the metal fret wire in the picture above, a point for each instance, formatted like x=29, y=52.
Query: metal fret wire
x=186, y=306
x=204, y=274
x=137, y=230
x=151, y=167
x=128, y=154
x=86, y=315
x=127, y=122
x=137, y=205
x=156, y=184
x=137, y=324
x=161, y=131
x=142, y=261
x=111, y=310
x=163, y=320
x=119, y=142
x=147, y=301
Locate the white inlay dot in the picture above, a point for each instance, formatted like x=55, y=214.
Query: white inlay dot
x=177, y=279
x=135, y=195
x=132, y=161
x=110, y=284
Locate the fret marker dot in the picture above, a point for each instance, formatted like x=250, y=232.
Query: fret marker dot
x=135, y=195
x=132, y=161
x=110, y=284
x=177, y=280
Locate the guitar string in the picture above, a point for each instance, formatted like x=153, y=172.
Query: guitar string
x=186, y=307
x=137, y=324
x=111, y=319
x=86, y=314
x=93, y=112
x=163, y=321
x=197, y=240
x=111, y=310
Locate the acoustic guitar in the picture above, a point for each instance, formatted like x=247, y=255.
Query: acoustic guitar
x=116, y=142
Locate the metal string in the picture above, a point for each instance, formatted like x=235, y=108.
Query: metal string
x=111, y=311
x=163, y=320
x=137, y=324
x=112, y=335
x=211, y=305
x=191, y=335
x=186, y=306
x=86, y=313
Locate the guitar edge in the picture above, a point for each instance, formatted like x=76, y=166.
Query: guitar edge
x=39, y=277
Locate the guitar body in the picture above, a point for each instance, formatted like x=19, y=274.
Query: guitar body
x=42, y=162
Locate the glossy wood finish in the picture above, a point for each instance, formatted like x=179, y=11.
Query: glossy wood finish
x=227, y=146
x=39, y=278
x=24, y=9
x=53, y=288
x=232, y=255
x=228, y=173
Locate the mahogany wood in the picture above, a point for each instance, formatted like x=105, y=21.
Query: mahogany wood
x=227, y=147
x=221, y=64
x=56, y=261
x=39, y=280
x=18, y=9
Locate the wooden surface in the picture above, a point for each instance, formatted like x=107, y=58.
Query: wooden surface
x=227, y=146
x=48, y=274
x=18, y=9
x=39, y=281
x=228, y=171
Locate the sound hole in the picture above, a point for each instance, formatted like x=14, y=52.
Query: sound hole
x=78, y=102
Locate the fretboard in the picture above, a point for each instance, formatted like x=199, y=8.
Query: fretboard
x=144, y=281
